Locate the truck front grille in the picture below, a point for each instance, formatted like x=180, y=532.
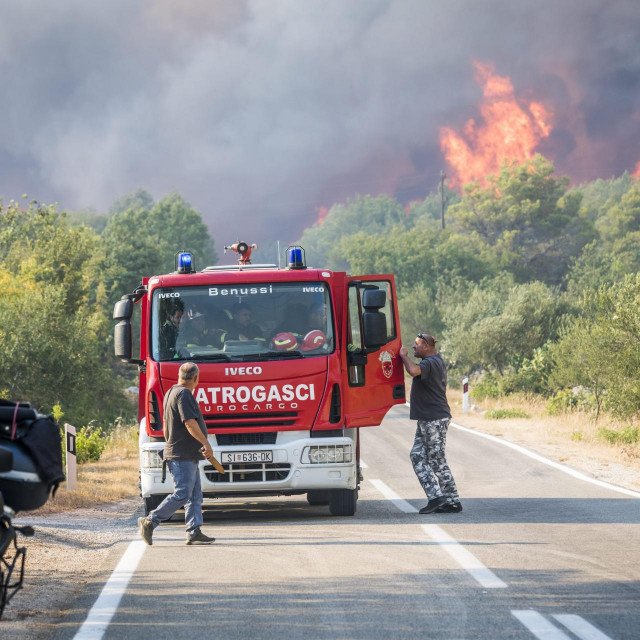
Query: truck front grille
x=249, y=472
x=231, y=439
x=235, y=420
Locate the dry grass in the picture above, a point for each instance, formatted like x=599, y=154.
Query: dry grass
x=112, y=478
x=571, y=437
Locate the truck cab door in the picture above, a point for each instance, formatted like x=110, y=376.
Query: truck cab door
x=373, y=376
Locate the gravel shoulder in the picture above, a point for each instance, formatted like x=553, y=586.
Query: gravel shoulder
x=592, y=460
x=68, y=549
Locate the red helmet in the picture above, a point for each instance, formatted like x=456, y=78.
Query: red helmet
x=313, y=340
x=285, y=342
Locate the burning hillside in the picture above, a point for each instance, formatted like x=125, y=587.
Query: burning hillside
x=509, y=129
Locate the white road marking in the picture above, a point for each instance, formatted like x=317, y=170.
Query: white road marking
x=464, y=558
x=551, y=463
x=580, y=627
x=539, y=625
x=485, y=577
x=391, y=495
x=105, y=606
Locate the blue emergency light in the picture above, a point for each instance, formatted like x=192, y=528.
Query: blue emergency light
x=296, y=258
x=184, y=262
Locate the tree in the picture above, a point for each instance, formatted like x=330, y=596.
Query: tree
x=600, y=195
x=527, y=217
x=600, y=349
x=143, y=241
x=579, y=361
x=52, y=336
x=375, y=214
x=501, y=326
x=622, y=217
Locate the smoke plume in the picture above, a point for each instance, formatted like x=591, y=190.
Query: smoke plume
x=263, y=113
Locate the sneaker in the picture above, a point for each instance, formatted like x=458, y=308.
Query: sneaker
x=434, y=504
x=454, y=507
x=197, y=537
x=146, y=530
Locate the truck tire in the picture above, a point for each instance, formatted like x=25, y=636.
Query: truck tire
x=343, y=502
x=318, y=496
x=151, y=503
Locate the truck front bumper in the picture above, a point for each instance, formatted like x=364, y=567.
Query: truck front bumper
x=290, y=470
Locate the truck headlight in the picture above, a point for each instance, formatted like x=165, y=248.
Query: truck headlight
x=151, y=459
x=326, y=454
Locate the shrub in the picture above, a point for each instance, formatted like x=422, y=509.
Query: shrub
x=499, y=414
x=487, y=387
x=90, y=443
x=568, y=400
x=628, y=435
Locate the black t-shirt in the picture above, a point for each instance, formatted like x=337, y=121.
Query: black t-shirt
x=429, y=390
x=250, y=332
x=179, y=406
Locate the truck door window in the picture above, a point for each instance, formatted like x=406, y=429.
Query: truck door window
x=356, y=358
x=354, y=337
x=385, y=286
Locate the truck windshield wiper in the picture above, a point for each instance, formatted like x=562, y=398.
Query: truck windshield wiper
x=277, y=355
x=211, y=357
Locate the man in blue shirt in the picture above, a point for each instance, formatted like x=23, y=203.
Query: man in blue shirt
x=430, y=408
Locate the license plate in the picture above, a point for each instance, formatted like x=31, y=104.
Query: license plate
x=231, y=457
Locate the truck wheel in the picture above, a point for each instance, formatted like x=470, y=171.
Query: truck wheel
x=151, y=503
x=318, y=497
x=343, y=502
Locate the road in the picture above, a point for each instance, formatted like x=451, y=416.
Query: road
x=536, y=553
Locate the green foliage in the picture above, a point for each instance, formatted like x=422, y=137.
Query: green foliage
x=499, y=326
x=600, y=195
x=568, y=400
x=532, y=376
x=487, y=387
x=419, y=312
x=59, y=280
x=526, y=215
x=501, y=414
x=599, y=351
x=51, y=349
x=142, y=241
x=379, y=215
x=90, y=443
x=628, y=435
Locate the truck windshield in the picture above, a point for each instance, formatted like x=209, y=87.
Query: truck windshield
x=225, y=323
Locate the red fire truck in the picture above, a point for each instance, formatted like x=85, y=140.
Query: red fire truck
x=293, y=362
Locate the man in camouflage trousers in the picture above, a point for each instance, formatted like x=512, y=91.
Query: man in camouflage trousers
x=430, y=408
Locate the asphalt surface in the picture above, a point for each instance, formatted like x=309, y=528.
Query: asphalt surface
x=283, y=569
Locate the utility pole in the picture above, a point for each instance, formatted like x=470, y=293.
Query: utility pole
x=443, y=175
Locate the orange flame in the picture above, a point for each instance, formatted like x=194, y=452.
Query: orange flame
x=636, y=171
x=509, y=130
x=322, y=212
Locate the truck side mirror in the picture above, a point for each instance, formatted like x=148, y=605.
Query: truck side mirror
x=122, y=341
x=374, y=299
x=374, y=322
x=123, y=309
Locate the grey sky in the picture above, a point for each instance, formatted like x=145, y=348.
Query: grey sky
x=260, y=111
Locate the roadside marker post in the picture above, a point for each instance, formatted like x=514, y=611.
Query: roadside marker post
x=70, y=440
x=465, y=395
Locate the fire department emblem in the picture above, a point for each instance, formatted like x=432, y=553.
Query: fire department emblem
x=387, y=363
